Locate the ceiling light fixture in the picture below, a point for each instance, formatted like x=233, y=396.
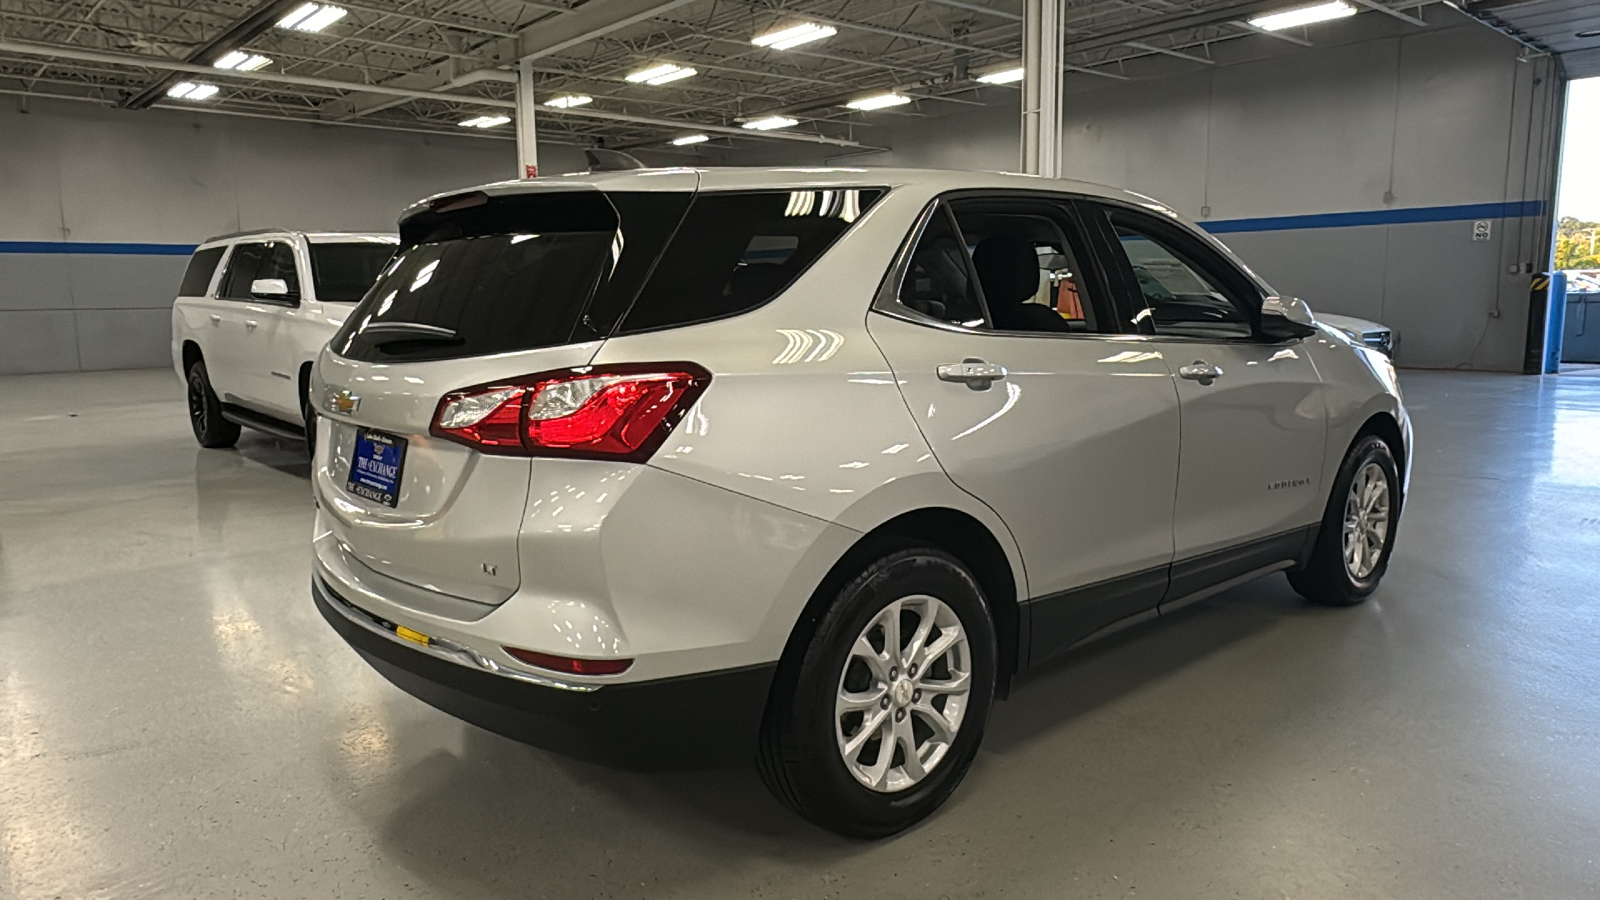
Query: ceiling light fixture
x=485, y=121
x=569, y=101
x=662, y=74
x=1004, y=76
x=880, y=101
x=771, y=123
x=313, y=17
x=794, y=36
x=240, y=61
x=689, y=139
x=1303, y=15
x=188, y=90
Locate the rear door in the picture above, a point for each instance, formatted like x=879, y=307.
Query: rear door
x=1068, y=432
x=485, y=292
x=1254, y=417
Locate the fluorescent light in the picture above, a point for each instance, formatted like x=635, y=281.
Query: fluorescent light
x=879, y=102
x=568, y=101
x=794, y=36
x=313, y=17
x=1004, y=76
x=689, y=139
x=1303, y=15
x=771, y=123
x=485, y=121
x=661, y=74
x=188, y=90
x=241, y=61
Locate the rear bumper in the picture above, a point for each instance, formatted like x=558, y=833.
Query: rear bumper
x=694, y=721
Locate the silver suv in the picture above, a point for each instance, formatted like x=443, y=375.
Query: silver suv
x=818, y=459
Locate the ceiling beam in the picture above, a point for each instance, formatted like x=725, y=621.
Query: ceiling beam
x=587, y=22
x=1379, y=7
x=231, y=38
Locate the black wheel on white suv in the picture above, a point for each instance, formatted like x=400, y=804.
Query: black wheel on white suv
x=875, y=719
x=1358, y=528
x=205, y=411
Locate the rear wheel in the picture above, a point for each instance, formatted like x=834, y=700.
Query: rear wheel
x=874, y=722
x=205, y=411
x=1358, y=528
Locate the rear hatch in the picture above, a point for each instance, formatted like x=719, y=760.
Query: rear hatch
x=486, y=289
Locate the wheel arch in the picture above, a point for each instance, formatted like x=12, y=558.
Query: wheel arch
x=953, y=531
x=190, y=354
x=1384, y=425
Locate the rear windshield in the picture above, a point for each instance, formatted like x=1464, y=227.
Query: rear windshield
x=503, y=274
x=342, y=272
x=197, y=278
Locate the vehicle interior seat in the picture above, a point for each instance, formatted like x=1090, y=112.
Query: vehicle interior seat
x=1008, y=269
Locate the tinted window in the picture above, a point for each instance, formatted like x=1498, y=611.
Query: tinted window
x=197, y=278
x=1179, y=296
x=243, y=264
x=938, y=282
x=735, y=251
x=490, y=277
x=1028, y=266
x=278, y=262
x=343, y=272
x=248, y=262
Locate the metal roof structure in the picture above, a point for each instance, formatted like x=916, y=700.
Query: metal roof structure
x=429, y=65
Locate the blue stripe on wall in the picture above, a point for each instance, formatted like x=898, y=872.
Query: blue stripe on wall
x=93, y=247
x=1461, y=213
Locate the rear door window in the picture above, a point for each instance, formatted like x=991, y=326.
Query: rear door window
x=734, y=251
x=197, y=278
x=342, y=272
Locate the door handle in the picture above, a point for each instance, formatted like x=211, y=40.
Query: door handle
x=216, y=320
x=250, y=324
x=973, y=372
x=1200, y=371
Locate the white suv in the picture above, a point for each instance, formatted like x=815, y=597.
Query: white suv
x=819, y=457
x=253, y=312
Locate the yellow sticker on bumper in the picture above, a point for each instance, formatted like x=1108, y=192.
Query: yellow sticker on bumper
x=415, y=637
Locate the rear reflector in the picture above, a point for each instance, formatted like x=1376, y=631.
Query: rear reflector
x=570, y=666
x=610, y=412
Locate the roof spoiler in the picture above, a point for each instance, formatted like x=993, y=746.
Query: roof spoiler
x=602, y=160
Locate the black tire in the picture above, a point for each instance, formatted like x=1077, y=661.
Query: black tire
x=1327, y=579
x=800, y=757
x=308, y=416
x=205, y=411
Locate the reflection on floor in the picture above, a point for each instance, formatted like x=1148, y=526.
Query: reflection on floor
x=177, y=721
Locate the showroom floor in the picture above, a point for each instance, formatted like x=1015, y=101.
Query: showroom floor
x=177, y=721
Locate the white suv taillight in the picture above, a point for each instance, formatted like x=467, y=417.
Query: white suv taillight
x=608, y=412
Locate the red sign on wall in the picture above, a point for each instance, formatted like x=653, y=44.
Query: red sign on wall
x=530, y=170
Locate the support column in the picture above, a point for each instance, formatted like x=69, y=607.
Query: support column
x=527, y=133
x=1042, y=42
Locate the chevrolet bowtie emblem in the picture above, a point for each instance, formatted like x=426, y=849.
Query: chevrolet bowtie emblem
x=345, y=403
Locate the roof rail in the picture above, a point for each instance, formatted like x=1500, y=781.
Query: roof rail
x=240, y=234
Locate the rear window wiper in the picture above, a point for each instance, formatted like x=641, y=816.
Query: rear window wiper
x=412, y=331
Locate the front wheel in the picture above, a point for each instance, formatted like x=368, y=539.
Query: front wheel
x=877, y=717
x=1358, y=528
x=205, y=411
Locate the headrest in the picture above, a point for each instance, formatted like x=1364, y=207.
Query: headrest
x=1008, y=269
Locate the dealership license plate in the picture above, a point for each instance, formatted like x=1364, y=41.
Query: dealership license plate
x=375, y=466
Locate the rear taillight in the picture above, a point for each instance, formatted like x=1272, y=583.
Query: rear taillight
x=607, y=412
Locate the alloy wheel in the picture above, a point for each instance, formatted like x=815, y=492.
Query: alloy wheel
x=903, y=693
x=1366, y=521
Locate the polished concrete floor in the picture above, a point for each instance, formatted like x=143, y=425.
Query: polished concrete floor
x=177, y=721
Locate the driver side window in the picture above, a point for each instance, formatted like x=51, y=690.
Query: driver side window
x=1180, y=298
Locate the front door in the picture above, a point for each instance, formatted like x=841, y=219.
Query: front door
x=1069, y=434
x=1253, y=414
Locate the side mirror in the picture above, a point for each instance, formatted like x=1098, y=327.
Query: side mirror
x=270, y=289
x=1287, y=318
